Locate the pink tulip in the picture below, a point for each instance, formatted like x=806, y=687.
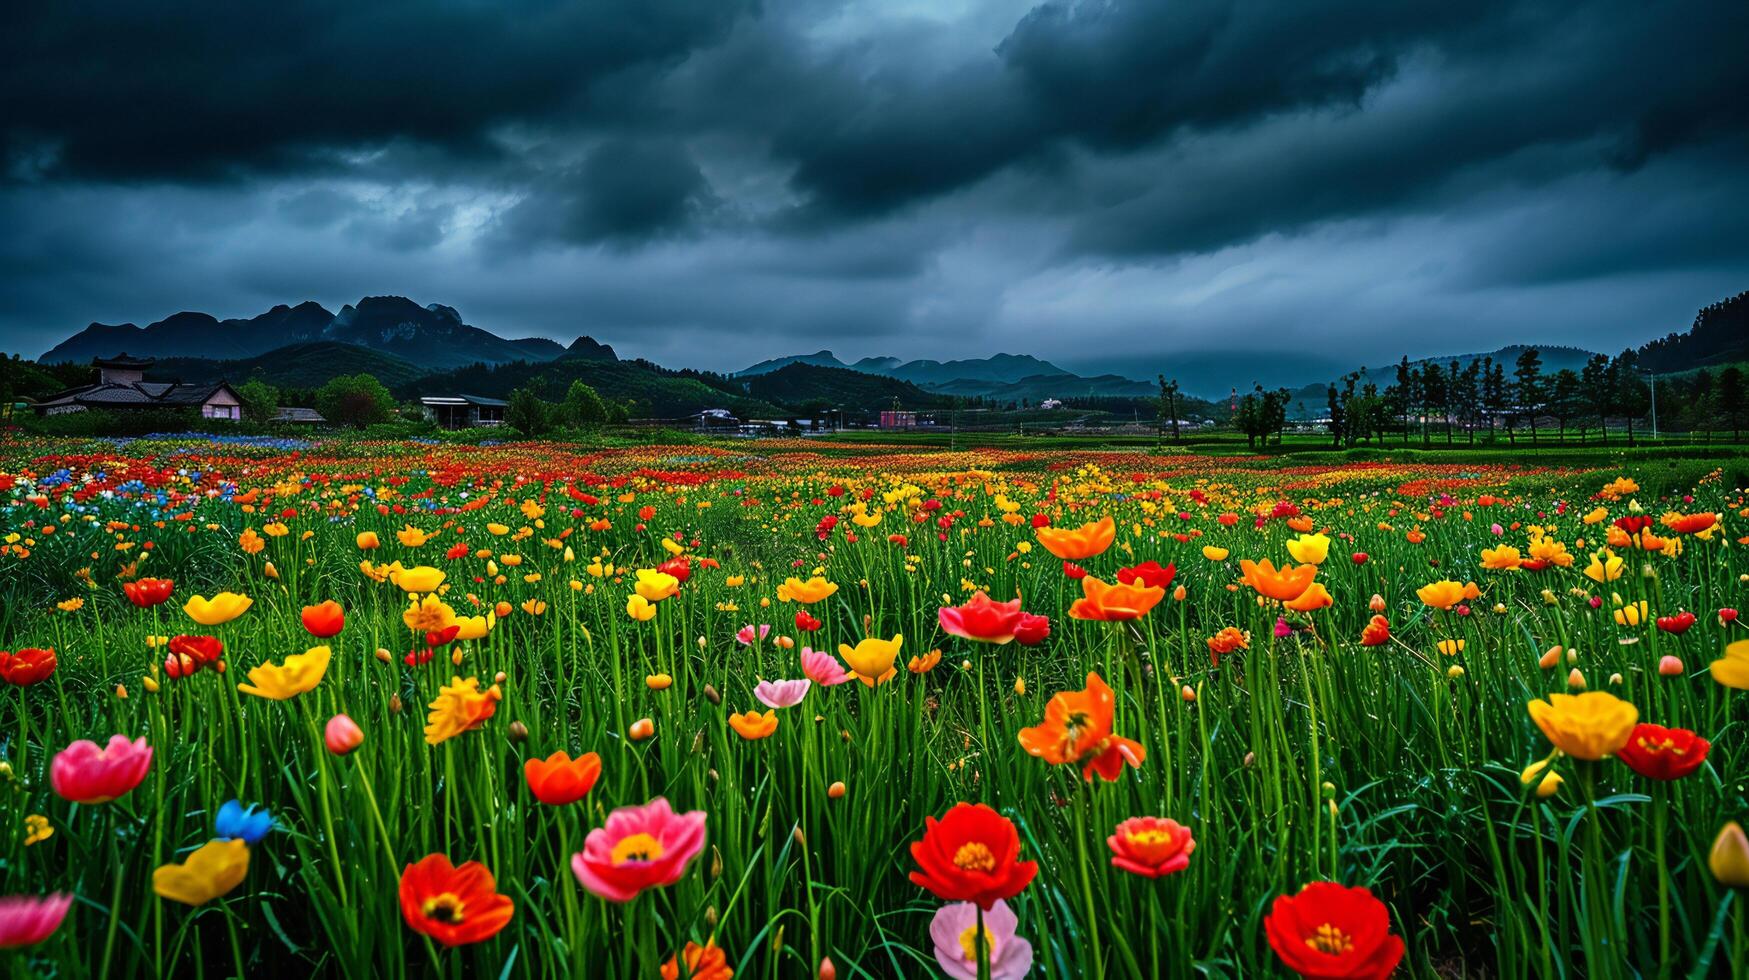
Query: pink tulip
x=26, y=920
x=781, y=694
x=822, y=668
x=1670, y=666
x=342, y=735
x=639, y=847
x=746, y=636
x=84, y=773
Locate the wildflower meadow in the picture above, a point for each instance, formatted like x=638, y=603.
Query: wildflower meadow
x=804, y=709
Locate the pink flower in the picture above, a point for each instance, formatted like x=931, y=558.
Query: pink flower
x=26, y=920
x=982, y=619
x=1032, y=630
x=342, y=735
x=1150, y=846
x=1282, y=629
x=954, y=931
x=747, y=637
x=640, y=847
x=781, y=694
x=84, y=773
x=822, y=668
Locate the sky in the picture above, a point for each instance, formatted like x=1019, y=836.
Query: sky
x=1117, y=186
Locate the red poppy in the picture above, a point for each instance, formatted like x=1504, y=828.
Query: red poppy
x=1677, y=624
x=1032, y=630
x=148, y=592
x=190, y=653
x=457, y=550
x=325, y=619
x=1074, y=571
x=680, y=567
x=971, y=855
x=559, y=780
x=1634, y=523
x=1359, y=557
x=1727, y=616
x=1377, y=632
x=453, y=905
x=982, y=619
x=1148, y=574
x=1656, y=752
x=806, y=623
x=1328, y=930
x=26, y=667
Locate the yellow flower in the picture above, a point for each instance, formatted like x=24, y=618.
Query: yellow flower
x=37, y=829
x=428, y=615
x=250, y=542
x=866, y=519
x=807, y=593
x=1502, y=559
x=1450, y=648
x=753, y=726
x=640, y=608
x=419, y=578
x=1441, y=595
x=1585, y=726
x=221, y=608
x=658, y=682
x=1729, y=858
x=213, y=869
x=1632, y=614
x=655, y=586
x=1310, y=549
x=475, y=627
x=411, y=536
x=71, y=605
x=459, y=707
x=1732, y=670
x=872, y=659
x=367, y=540
x=1315, y=597
x=1213, y=553
x=300, y=673
x=1606, y=566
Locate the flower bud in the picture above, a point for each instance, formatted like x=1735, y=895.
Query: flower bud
x=641, y=729
x=1550, y=785
x=1729, y=858
x=827, y=970
x=1575, y=679
x=836, y=790
x=712, y=695
x=518, y=732
x=384, y=655
x=1670, y=666
x=342, y=735
x=395, y=704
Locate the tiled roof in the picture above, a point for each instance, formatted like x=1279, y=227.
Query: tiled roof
x=143, y=393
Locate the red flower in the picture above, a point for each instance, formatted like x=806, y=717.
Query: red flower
x=559, y=779
x=1656, y=752
x=971, y=855
x=680, y=567
x=1727, y=616
x=1328, y=930
x=1377, y=632
x=1032, y=630
x=148, y=592
x=453, y=905
x=1359, y=557
x=1041, y=520
x=26, y=667
x=982, y=619
x=1633, y=524
x=325, y=619
x=1677, y=624
x=806, y=623
x=1074, y=571
x=1149, y=574
x=190, y=653
x=457, y=550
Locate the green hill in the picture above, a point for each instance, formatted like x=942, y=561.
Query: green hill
x=656, y=392
x=803, y=386
x=308, y=365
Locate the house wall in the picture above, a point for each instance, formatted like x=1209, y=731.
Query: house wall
x=221, y=406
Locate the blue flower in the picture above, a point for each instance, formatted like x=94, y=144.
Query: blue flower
x=249, y=825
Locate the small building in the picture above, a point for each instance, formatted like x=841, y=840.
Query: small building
x=1050, y=403
x=121, y=387
x=463, y=411
x=714, y=419
x=300, y=416
x=894, y=419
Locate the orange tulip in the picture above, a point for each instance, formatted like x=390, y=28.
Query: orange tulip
x=1315, y=597
x=324, y=620
x=559, y=780
x=1106, y=603
x=753, y=725
x=1077, y=729
x=1085, y=541
x=1283, y=585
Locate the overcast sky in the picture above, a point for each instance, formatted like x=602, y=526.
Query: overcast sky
x=710, y=182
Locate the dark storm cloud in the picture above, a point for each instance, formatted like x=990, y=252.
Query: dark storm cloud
x=915, y=177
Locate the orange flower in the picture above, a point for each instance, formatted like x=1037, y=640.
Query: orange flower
x=1283, y=585
x=753, y=726
x=705, y=962
x=1316, y=597
x=1376, y=633
x=1085, y=541
x=1077, y=729
x=324, y=620
x=1229, y=638
x=453, y=905
x=559, y=780
x=1113, y=603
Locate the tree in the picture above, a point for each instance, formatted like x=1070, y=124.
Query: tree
x=583, y=407
x=260, y=400
x=1632, y=397
x=1562, y=400
x=1494, y=398
x=1733, y=400
x=1529, y=391
x=1405, y=395
x=1469, y=396
x=1434, y=397
x=1168, y=407
x=1597, y=382
x=527, y=414
x=357, y=400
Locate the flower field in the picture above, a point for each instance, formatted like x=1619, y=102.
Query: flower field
x=797, y=709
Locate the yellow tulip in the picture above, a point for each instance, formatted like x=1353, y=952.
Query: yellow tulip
x=1502, y=559
x=300, y=672
x=640, y=608
x=1729, y=858
x=872, y=659
x=807, y=593
x=211, y=870
x=429, y=615
x=367, y=540
x=1213, y=553
x=420, y=578
x=221, y=608
x=655, y=586
x=1606, y=566
x=1585, y=726
x=1441, y=595
x=475, y=627
x=1732, y=670
x=1310, y=549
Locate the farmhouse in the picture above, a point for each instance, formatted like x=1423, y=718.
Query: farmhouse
x=121, y=387
x=463, y=411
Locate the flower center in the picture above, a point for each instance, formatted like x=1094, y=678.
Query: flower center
x=636, y=847
x=444, y=908
x=974, y=857
x=1331, y=940
x=969, y=943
